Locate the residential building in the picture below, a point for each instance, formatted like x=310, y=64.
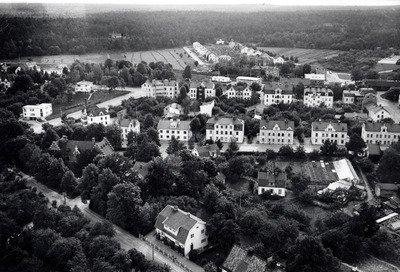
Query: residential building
x=181, y=229
x=129, y=125
x=34, y=112
x=174, y=127
x=98, y=115
x=335, y=132
x=173, y=110
x=386, y=189
x=206, y=108
x=221, y=79
x=70, y=149
x=271, y=71
x=243, y=260
x=232, y=44
x=377, y=113
x=239, y=92
x=279, y=60
x=276, y=132
x=275, y=93
x=201, y=90
x=315, y=96
x=220, y=41
x=274, y=182
x=316, y=79
x=5, y=83
x=244, y=50
x=207, y=151
x=356, y=116
x=160, y=88
x=249, y=80
x=117, y=35
x=352, y=97
x=380, y=133
x=141, y=168
x=325, y=172
x=225, y=129
x=83, y=87
x=204, y=52
x=224, y=58
x=380, y=84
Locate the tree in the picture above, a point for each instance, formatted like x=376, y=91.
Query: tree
x=22, y=83
x=356, y=143
x=309, y=255
x=98, y=199
x=300, y=183
x=389, y=165
x=148, y=121
x=328, y=148
x=113, y=135
x=68, y=183
x=187, y=72
x=195, y=126
x=88, y=181
x=357, y=74
x=238, y=167
x=286, y=151
x=306, y=69
x=175, y=146
x=124, y=205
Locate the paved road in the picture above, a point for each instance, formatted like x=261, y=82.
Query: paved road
x=126, y=240
x=392, y=107
x=133, y=92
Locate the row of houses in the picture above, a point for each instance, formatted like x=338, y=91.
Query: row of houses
x=203, y=51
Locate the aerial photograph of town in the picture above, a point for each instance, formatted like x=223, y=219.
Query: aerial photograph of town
x=199, y=136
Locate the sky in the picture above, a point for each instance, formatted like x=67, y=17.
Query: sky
x=223, y=2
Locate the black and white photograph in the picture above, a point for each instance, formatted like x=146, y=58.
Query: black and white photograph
x=199, y=136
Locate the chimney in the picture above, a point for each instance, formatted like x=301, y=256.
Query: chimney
x=175, y=208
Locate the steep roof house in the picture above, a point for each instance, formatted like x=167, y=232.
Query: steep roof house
x=181, y=230
x=274, y=182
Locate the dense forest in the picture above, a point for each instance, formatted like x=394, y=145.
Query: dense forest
x=340, y=29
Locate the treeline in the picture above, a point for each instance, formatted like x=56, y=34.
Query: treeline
x=342, y=30
x=38, y=237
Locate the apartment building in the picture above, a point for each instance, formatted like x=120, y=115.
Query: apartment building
x=98, y=116
x=380, y=133
x=275, y=93
x=239, y=92
x=225, y=129
x=159, y=88
x=335, y=132
x=314, y=96
x=276, y=132
x=83, y=87
x=174, y=127
x=34, y=112
x=201, y=90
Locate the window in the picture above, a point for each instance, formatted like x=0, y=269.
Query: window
x=204, y=240
x=202, y=231
x=192, y=235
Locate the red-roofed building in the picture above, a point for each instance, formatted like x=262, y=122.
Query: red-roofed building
x=181, y=229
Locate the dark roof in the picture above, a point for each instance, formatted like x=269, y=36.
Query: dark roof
x=176, y=219
x=180, y=125
x=204, y=151
x=381, y=83
x=283, y=125
x=142, y=168
x=388, y=186
x=96, y=111
x=126, y=122
x=265, y=178
x=242, y=260
x=105, y=147
x=225, y=121
x=374, y=150
x=269, y=88
x=376, y=127
x=356, y=115
x=295, y=81
x=315, y=90
x=321, y=126
x=206, y=84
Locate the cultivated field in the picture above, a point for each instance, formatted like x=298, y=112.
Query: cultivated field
x=304, y=55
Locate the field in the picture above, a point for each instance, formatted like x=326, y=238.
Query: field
x=171, y=56
x=304, y=55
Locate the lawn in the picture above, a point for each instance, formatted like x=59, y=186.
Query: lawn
x=78, y=102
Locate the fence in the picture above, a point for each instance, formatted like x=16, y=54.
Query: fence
x=163, y=252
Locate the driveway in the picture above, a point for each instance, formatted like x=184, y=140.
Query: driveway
x=126, y=240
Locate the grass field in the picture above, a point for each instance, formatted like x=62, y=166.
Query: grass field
x=304, y=55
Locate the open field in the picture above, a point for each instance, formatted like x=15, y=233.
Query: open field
x=304, y=55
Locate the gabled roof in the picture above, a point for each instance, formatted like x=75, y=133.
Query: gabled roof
x=320, y=90
x=225, y=121
x=283, y=125
x=125, y=122
x=376, y=127
x=96, y=111
x=374, y=150
x=269, y=88
x=176, y=219
x=388, y=186
x=197, y=84
x=242, y=260
x=372, y=107
x=356, y=115
x=278, y=180
x=105, y=147
x=322, y=126
x=204, y=151
x=142, y=168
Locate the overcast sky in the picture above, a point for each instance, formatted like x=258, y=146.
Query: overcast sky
x=222, y=2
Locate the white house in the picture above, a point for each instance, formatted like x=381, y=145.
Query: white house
x=173, y=110
x=207, y=151
x=127, y=126
x=174, y=127
x=221, y=79
x=33, y=112
x=220, y=41
x=206, y=108
x=335, y=132
x=279, y=60
x=83, y=87
x=238, y=91
x=314, y=96
x=274, y=182
x=275, y=93
x=244, y=50
x=377, y=113
x=352, y=97
x=276, y=132
x=249, y=80
x=186, y=231
x=201, y=90
x=160, y=88
x=98, y=116
x=317, y=78
x=380, y=133
x=224, y=58
x=225, y=129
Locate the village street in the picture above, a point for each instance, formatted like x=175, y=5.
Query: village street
x=126, y=240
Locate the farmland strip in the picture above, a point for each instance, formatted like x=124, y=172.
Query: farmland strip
x=176, y=60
